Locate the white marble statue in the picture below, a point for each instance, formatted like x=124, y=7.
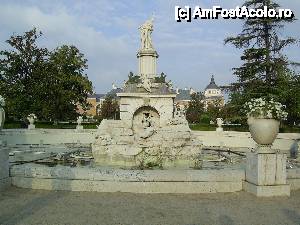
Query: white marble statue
x=145, y=83
x=31, y=118
x=146, y=31
x=179, y=117
x=148, y=128
x=79, y=127
x=219, y=123
x=79, y=120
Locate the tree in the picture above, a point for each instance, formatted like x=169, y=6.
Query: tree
x=67, y=84
x=21, y=70
x=195, y=108
x=110, y=108
x=214, y=109
x=35, y=80
x=265, y=71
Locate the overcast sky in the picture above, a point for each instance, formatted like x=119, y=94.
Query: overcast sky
x=106, y=31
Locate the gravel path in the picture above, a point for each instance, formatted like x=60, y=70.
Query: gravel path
x=22, y=206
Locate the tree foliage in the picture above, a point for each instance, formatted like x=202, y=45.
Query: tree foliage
x=195, y=108
x=266, y=71
x=47, y=83
x=214, y=109
x=69, y=86
x=110, y=108
x=21, y=71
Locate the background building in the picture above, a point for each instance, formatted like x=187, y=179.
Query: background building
x=183, y=97
x=213, y=95
x=96, y=101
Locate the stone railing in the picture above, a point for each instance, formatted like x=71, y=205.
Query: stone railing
x=241, y=141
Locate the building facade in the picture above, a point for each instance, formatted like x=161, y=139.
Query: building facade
x=213, y=95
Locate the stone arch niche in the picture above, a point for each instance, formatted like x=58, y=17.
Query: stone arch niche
x=145, y=117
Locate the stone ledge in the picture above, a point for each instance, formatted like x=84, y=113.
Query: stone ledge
x=111, y=174
x=5, y=183
x=267, y=191
x=293, y=173
x=133, y=187
x=295, y=184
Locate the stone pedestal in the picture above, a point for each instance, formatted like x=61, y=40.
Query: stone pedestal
x=79, y=128
x=219, y=129
x=147, y=62
x=31, y=127
x=266, y=174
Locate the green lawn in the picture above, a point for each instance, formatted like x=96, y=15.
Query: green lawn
x=243, y=128
x=208, y=127
x=199, y=127
x=49, y=125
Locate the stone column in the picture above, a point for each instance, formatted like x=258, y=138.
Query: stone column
x=147, y=62
x=4, y=168
x=266, y=174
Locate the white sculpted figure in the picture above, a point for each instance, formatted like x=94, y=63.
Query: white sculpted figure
x=146, y=31
x=148, y=127
x=145, y=83
x=179, y=117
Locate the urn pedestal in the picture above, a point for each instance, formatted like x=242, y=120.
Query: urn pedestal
x=265, y=168
x=219, y=123
x=79, y=128
x=266, y=174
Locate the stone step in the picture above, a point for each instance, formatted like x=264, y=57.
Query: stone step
x=132, y=187
x=31, y=170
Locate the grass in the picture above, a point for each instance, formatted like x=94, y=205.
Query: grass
x=243, y=128
x=208, y=127
x=48, y=125
x=196, y=127
x=287, y=129
x=202, y=127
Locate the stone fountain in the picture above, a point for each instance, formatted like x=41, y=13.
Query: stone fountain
x=151, y=131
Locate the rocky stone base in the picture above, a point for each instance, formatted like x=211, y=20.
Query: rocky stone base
x=168, y=146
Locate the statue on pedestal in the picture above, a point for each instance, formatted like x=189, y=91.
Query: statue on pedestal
x=145, y=83
x=146, y=31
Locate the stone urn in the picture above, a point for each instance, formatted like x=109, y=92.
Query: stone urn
x=263, y=131
x=2, y=117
